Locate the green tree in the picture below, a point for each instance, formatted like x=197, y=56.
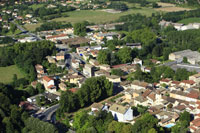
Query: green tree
x=104, y=57
x=80, y=29
x=125, y=54
x=13, y=27
x=185, y=60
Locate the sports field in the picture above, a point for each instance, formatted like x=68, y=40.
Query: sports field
x=6, y=73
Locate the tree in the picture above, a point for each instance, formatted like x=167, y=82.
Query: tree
x=13, y=27
x=117, y=72
x=104, y=57
x=115, y=126
x=14, y=77
x=144, y=124
x=155, y=5
x=125, y=54
x=185, y=60
x=80, y=29
x=185, y=116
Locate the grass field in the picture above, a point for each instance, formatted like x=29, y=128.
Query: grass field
x=6, y=73
x=190, y=20
x=167, y=7
x=99, y=16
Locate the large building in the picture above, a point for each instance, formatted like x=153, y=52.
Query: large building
x=193, y=57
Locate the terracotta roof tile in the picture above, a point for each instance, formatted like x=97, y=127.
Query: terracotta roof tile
x=46, y=78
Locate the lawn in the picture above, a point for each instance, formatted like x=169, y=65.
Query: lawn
x=6, y=73
x=189, y=20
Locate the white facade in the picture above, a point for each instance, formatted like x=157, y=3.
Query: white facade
x=127, y=116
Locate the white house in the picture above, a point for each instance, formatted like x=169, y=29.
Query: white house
x=121, y=113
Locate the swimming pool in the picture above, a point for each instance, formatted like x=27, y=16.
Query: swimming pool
x=170, y=125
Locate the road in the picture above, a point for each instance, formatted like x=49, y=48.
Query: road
x=47, y=114
x=26, y=32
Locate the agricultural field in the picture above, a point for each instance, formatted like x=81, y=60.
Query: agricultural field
x=167, y=7
x=190, y=20
x=6, y=73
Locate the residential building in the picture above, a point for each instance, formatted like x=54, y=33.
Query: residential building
x=49, y=84
x=121, y=113
x=88, y=70
x=195, y=78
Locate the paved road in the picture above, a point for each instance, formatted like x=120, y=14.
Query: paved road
x=47, y=115
x=26, y=32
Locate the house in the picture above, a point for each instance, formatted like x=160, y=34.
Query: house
x=121, y=113
x=125, y=84
x=27, y=106
x=134, y=45
x=34, y=84
x=60, y=56
x=39, y=69
x=75, y=63
x=33, y=98
x=165, y=81
x=74, y=78
x=140, y=100
x=29, y=16
x=49, y=84
x=113, y=78
x=194, y=125
x=193, y=57
x=62, y=86
x=51, y=97
x=105, y=67
x=136, y=84
x=137, y=61
x=187, y=83
x=101, y=73
x=195, y=78
x=88, y=70
x=51, y=59
x=179, y=108
x=54, y=38
x=96, y=106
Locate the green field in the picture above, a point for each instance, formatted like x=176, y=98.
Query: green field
x=95, y=16
x=99, y=16
x=6, y=73
x=189, y=20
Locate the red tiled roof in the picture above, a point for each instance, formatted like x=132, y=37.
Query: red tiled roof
x=165, y=80
x=118, y=66
x=180, y=107
x=193, y=95
x=195, y=120
x=176, y=82
x=51, y=86
x=193, y=128
x=191, y=82
x=46, y=78
x=73, y=90
x=56, y=36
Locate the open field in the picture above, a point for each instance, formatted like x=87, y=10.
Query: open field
x=32, y=27
x=6, y=73
x=99, y=16
x=168, y=7
x=189, y=20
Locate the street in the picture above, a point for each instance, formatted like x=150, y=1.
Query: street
x=26, y=32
